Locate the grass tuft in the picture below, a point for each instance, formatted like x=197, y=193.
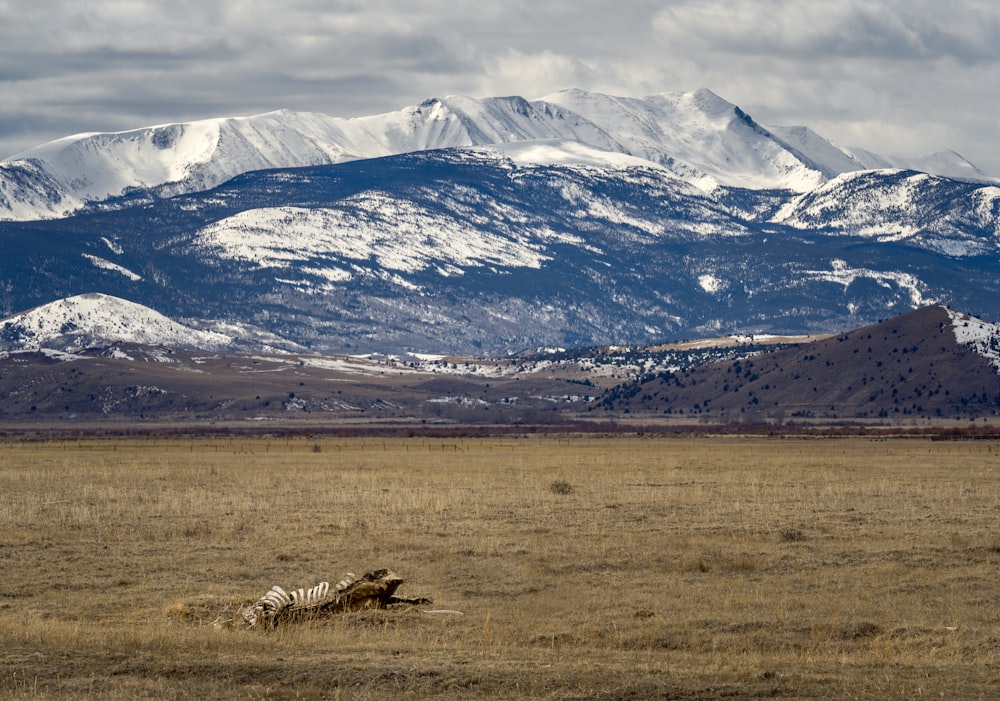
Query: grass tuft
x=561, y=487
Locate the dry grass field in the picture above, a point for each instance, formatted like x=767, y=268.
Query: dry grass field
x=585, y=567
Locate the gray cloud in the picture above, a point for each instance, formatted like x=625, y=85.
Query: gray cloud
x=899, y=76
x=897, y=30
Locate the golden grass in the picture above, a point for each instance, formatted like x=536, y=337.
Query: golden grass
x=615, y=567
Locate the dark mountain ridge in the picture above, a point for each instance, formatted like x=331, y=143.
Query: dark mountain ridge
x=910, y=366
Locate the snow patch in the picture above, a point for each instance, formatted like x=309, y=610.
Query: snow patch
x=843, y=274
x=112, y=246
x=709, y=283
x=562, y=152
x=982, y=336
x=108, y=265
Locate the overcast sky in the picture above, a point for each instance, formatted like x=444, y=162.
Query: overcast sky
x=899, y=77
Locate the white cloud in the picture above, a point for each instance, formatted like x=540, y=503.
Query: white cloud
x=532, y=74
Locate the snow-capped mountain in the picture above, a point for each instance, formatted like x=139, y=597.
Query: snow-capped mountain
x=491, y=250
x=834, y=160
x=482, y=226
x=697, y=137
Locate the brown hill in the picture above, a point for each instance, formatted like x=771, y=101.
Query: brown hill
x=907, y=366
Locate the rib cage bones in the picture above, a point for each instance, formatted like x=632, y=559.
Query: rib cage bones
x=277, y=601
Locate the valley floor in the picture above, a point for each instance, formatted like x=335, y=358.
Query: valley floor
x=573, y=566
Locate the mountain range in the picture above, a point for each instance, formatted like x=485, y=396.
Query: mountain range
x=481, y=227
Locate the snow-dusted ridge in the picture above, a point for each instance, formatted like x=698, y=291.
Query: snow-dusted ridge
x=895, y=205
x=698, y=137
x=91, y=320
x=95, y=320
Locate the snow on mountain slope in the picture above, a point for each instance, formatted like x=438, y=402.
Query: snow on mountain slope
x=176, y=158
x=982, y=336
x=58, y=178
x=502, y=120
x=562, y=152
x=833, y=159
x=828, y=156
x=28, y=191
x=697, y=136
x=840, y=273
x=396, y=234
x=481, y=250
x=89, y=320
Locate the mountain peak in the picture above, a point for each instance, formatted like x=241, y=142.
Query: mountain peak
x=710, y=102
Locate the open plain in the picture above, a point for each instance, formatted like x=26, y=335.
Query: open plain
x=583, y=567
